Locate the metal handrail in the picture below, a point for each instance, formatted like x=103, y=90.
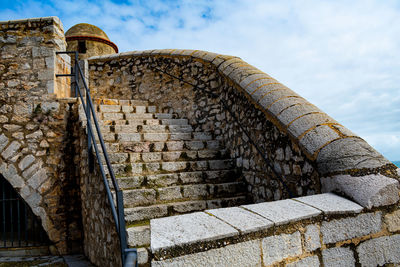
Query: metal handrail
x=226, y=107
x=118, y=210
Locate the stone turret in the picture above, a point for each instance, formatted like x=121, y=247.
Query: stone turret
x=89, y=41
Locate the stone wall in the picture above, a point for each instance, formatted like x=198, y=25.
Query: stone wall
x=100, y=239
x=319, y=230
x=138, y=77
x=34, y=134
x=308, y=150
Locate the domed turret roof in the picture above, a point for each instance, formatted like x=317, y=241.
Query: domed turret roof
x=85, y=29
x=89, y=32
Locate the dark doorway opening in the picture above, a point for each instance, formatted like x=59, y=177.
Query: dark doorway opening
x=19, y=227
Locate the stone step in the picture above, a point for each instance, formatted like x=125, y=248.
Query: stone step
x=153, y=136
x=107, y=101
x=140, y=214
x=138, y=236
x=129, y=169
x=135, y=128
x=168, y=146
x=174, y=121
x=144, y=121
x=125, y=157
x=165, y=116
x=152, y=196
x=125, y=116
x=182, y=178
x=159, y=137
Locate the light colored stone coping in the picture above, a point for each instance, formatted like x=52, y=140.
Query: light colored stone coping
x=17, y=21
x=374, y=190
x=283, y=211
x=242, y=219
x=187, y=229
x=330, y=203
x=217, y=224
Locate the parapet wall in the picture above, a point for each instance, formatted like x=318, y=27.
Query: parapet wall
x=319, y=230
x=310, y=150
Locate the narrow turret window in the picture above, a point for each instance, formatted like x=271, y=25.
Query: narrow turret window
x=82, y=47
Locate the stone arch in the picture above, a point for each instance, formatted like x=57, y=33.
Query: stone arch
x=19, y=226
x=32, y=197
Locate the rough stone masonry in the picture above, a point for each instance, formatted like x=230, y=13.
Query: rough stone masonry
x=344, y=204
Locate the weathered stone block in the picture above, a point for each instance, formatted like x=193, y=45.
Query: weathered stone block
x=283, y=211
x=169, y=193
x=194, y=145
x=187, y=229
x=348, y=228
x=306, y=122
x=151, y=156
x=311, y=261
x=340, y=256
x=129, y=137
x=243, y=220
x=317, y=138
x=155, y=137
x=187, y=206
x=37, y=179
x=379, y=251
x=138, y=236
x=11, y=150
x=110, y=108
x=392, y=221
x=196, y=190
x=294, y=112
x=3, y=142
x=276, y=248
x=145, y=213
x=330, y=203
x=173, y=166
x=311, y=237
x=113, y=116
x=174, y=121
x=348, y=153
x=226, y=256
x=25, y=162
x=137, y=197
x=372, y=190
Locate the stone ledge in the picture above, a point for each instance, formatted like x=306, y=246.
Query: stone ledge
x=18, y=21
x=374, y=190
x=330, y=203
x=283, y=211
x=232, y=225
x=186, y=229
x=242, y=219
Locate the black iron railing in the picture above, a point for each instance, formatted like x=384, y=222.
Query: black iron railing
x=19, y=227
x=128, y=255
x=225, y=105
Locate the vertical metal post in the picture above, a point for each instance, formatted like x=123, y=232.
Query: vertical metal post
x=11, y=218
x=19, y=223
x=121, y=224
x=76, y=75
x=88, y=117
x=4, y=214
x=26, y=224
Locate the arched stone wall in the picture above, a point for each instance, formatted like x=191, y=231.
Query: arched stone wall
x=305, y=145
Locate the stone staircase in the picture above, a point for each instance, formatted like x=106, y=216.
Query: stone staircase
x=164, y=167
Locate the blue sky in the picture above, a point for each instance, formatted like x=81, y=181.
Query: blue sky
x=343, y=56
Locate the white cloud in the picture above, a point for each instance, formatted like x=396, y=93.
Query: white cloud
x=340, y=55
